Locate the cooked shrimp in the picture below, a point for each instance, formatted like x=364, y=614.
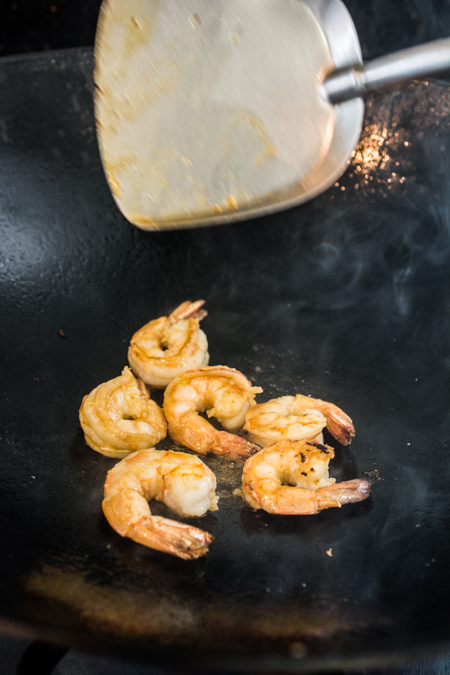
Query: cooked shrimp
x=291, y=478
x=179, y=480
x=297, y=418
x=170, y=345
x=118, y=417
x=219, y=391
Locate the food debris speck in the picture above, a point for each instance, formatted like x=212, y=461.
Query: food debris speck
x=62, y=334
x=330, y=552
x=373, y=475
x=238, y=492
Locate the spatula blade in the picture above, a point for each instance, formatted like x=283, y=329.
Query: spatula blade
x=209, y=110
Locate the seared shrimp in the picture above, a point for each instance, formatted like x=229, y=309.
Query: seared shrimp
x=297, y=418
x=179, y=480
x=219, y=391
x=291, y=478
x=170, y=345
x=118, y=417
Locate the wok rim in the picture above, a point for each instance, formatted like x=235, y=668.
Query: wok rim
x=171, y=655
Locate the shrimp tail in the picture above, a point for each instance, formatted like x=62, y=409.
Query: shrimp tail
x=236, y=446
x=178, y=539
x=188, y=310
x=129, y=515
x=341, y=429
x=343, y=493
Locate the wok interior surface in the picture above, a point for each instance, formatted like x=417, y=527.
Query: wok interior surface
x=345, y=298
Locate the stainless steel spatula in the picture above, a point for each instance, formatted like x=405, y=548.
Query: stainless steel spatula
x=212, y=111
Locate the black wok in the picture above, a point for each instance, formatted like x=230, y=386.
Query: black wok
x=345, y=298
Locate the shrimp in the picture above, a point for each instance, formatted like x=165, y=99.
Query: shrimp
x=179, y=480
x=118, y=417
x=297, y=418
x=291, y=478
x=170, y=345
x=219, y=391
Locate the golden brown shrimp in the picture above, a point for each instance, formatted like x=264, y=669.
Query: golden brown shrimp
x=297, y=418
x=291, y=478
x=170, y=345
x=219, y=391
x=179, y=480
x=118, y=417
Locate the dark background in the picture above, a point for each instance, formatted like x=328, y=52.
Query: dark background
x=36, y=25
x=382, y=25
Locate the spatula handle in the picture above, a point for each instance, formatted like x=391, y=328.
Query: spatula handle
x=416, y=62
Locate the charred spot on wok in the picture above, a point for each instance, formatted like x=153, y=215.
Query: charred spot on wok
x=374, y=476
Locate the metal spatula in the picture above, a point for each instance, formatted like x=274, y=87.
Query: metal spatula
x=212, y=111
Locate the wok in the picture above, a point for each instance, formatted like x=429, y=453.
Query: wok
x=345, y=298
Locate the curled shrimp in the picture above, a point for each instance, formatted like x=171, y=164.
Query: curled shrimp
x=170, y=345
x=118, y=417
x=179, y=480
x=297, y=418
x=291, y=478
x=219, y=391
